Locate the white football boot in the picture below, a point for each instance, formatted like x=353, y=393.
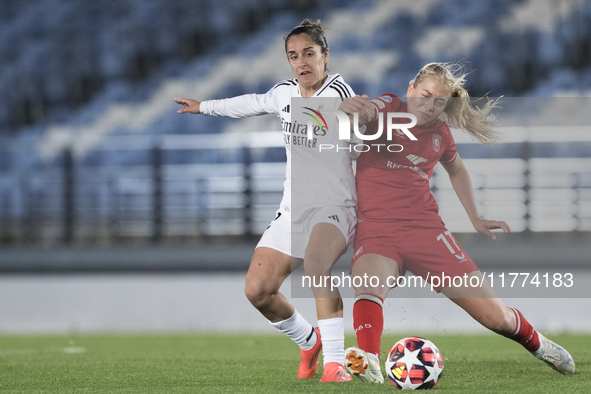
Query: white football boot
x=555, y=356
x=364, y=365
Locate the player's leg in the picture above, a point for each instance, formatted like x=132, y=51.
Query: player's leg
x=270, y=266
x=368, y=317
x=326, y=244
x=433, y=251
x=268, y=269
x=485, y=307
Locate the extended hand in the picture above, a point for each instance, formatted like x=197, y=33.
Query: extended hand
x=361, y=106
x=190, y=106
x=484, y=226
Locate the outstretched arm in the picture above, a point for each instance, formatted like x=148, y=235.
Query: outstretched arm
x=460, y=180
x=235, y=107
x=189, y=106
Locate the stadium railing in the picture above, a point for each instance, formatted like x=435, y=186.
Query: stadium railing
x=195, y=186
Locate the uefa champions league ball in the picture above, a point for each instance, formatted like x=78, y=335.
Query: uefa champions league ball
x=414, y=363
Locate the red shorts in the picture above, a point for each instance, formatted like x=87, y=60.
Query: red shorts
x=424, y=247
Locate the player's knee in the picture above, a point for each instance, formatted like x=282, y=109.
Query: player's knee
x=257, y=293
x=254, y=292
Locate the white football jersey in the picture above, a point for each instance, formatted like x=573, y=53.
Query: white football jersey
x=329, y=176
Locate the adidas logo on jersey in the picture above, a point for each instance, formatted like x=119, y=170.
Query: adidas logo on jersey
x=334, y=217
x=416, y=160
x=286, y=108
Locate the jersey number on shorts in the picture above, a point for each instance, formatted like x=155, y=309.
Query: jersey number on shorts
x=441, y=237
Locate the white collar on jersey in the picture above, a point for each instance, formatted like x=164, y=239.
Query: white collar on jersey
x=330, y=79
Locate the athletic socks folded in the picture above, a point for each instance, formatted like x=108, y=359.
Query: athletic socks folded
x=524, y=333
x=298, y=329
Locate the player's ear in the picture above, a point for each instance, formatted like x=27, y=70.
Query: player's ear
x=325, y=54
x=411, y=88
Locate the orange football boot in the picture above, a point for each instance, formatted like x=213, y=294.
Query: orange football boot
x=335, y=372
x=309, y=361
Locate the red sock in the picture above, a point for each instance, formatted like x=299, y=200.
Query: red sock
x=524, y=334
x=368, y=320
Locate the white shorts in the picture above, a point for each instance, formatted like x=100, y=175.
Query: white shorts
x=292, y=238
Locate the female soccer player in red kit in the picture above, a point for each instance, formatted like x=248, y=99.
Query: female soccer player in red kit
x=399, y=226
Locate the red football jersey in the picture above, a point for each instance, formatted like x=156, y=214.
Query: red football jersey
x=394, y=186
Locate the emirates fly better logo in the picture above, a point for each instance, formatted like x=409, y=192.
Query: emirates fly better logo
x=318, y=115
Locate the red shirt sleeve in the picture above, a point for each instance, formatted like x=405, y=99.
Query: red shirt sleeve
x=386, y=103
x=451, y=151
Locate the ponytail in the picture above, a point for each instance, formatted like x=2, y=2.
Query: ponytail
x=459, y=112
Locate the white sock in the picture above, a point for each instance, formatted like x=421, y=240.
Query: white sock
x=332, y=332
x=540, y=350
x=298, y=329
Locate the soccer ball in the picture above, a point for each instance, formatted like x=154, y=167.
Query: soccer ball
x=414, y=363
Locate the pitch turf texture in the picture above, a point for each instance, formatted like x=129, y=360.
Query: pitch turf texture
x=260, y=364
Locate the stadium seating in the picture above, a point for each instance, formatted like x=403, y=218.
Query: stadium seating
x=124, y=62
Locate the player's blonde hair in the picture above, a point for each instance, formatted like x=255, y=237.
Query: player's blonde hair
x=459, y=112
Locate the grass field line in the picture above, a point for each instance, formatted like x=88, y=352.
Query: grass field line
x=28, y=352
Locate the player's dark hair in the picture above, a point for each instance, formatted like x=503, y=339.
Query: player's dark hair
x=314, y=30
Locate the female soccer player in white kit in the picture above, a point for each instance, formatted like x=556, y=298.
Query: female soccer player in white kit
x=309, y=232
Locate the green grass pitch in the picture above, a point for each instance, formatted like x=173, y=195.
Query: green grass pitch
x=198, y=363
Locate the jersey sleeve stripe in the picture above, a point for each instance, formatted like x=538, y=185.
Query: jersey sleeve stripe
x=449, y=161
x=348, y=92
x=286, y=82
x=339, y=91
x=343, y=88
x=281, y=84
